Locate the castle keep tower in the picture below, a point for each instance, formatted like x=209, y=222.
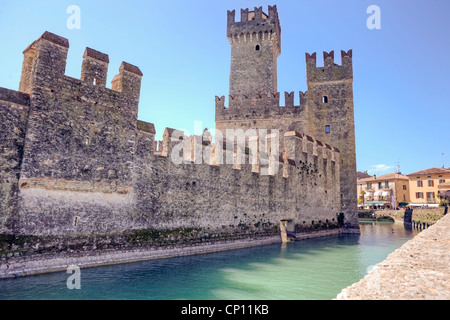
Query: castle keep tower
x=254, y=102
x=255, y=47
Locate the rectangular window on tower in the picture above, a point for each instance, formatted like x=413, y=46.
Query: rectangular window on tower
x=327, y=129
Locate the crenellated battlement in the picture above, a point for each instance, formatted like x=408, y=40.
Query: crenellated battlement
x=260, y=106
x=297, y=143
x=254, y=25
x=261, y=100
x=330, y=71
x=94, y=69
x=299, y=151
x=48, y=55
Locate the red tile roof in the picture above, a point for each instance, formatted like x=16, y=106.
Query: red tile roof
x=385, y=177
x=430, y=171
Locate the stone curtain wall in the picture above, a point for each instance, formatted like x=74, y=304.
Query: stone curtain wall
x=221, y=197
x=14, y=108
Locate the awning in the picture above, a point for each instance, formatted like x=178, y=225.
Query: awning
x=385, y=194
x=375, y=203
x=377, y=193
x=423, y=205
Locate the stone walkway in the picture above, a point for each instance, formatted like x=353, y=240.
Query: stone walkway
x=419, y=270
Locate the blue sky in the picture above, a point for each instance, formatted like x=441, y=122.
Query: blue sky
x=402, y=115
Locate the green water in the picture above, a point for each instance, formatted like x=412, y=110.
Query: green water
x=310, y=269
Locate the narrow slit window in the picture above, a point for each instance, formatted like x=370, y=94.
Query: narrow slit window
x=327, y=129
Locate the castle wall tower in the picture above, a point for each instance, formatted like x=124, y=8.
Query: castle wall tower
x=255, y=47
x=254, y=102
x=331, y=119
x=78, y=130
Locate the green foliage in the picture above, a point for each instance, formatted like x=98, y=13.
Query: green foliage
x=10, y=243
x=149, y=236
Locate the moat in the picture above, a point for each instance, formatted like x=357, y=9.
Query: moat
x=309, y=269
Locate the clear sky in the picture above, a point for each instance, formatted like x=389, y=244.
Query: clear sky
x=401, y=71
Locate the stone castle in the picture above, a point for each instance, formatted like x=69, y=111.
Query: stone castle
x=76, y=163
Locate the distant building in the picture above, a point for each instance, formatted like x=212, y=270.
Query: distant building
x=386, y=191
x=426, y=184
x=362, y=175
x=444, y=192
x=444, y=188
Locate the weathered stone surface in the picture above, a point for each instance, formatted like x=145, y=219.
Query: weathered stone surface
x=77, y=166
x=255, y=47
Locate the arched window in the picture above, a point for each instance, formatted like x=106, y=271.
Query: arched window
x=257, y=48
x=324, y=99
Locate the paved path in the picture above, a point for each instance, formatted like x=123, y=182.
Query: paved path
x=419, y=270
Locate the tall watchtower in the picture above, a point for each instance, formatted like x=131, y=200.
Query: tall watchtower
x=254, y=102
x=331, y=119
x=255, y=47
